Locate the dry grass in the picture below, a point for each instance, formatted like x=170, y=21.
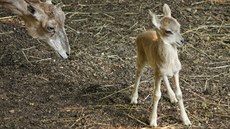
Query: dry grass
x=103, y=53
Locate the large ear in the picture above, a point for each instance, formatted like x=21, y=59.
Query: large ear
x=155, y=19
x=31, y=9
x=37, y=13
x=49, y=1
x=166, y=10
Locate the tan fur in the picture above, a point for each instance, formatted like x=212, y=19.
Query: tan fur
x=217, y=1
x=161, y=57
x=158, y=48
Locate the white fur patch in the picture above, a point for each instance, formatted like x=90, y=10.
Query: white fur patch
x=173, y=39
x=38, y=15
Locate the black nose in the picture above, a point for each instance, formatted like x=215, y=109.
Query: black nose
x=184, y=41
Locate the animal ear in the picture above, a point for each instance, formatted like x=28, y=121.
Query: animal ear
x=31, y=9
x=37, y=13
x=155, y=19
x=166, y=10
x=49, y=1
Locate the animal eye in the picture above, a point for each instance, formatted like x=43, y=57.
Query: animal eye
x=168, y=32
x=50, y=29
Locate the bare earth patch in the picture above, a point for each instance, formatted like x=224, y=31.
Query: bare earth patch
x=92, y=88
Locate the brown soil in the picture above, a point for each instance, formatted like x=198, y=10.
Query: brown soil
x=92, y=88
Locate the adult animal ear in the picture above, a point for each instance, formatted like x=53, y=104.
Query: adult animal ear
x=31, y=9
x=37, y=13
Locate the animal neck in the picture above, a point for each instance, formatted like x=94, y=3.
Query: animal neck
x=167, y=52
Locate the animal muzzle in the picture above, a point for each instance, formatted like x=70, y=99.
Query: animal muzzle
x=59, y=42
x=182, y=40
x=179, y=39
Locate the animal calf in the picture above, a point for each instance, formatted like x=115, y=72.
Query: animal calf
x=158, y=48
x=43, y=20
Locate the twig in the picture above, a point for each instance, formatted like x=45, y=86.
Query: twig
x=221, y=115
x=197, y=3
x=219, y=67
x=190, y=45
x=203, y=98
x=133, y=26
x=136, y=119
x=9, y=32
x=103, y=37
x=131, y=13
x=114, y=93
x=220, y=26
x=226, y=61
x=85, y=5
x=109, y=16
x=124, y=89
x=206, y=82
x=25, y=56
x=79, y=20
x=71, y=29
x=80, y=13
x=100, y=29
x=205, y=27
x=8, y=17
x=47, y=59
x=80, y=118
x=115, y=57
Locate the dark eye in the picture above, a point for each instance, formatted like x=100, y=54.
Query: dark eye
x=168, y=32
x=50, y=29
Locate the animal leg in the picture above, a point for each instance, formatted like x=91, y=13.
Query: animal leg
x=171, y=94
x=156, y=98
x=184, y=115
x=139, y=72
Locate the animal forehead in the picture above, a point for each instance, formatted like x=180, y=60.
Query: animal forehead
x=52, y=22
x=51, y=10
x=54, y=14
x=165, y=21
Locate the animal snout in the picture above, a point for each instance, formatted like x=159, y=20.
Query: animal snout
x=182, y=40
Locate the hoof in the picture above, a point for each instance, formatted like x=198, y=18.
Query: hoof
x=153, y=124
x=187, y=122
x=173, y=100
x=134, y=100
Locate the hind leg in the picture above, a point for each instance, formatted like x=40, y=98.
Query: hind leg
x=140, y=65
x=156, y=98
x=139, y=72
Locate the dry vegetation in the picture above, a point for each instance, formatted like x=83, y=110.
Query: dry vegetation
x=92, y=88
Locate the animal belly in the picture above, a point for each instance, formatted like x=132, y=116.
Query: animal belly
x=169, y=69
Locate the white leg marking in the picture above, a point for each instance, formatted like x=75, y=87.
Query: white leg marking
x=134, y=96
x=184, y=115
x=156, y=98
x=171, y=94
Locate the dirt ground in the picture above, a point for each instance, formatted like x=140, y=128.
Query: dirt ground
x=92, y=88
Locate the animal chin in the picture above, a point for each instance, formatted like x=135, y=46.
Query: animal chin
x=59, y=46
x=62, y=54
x=179, y=44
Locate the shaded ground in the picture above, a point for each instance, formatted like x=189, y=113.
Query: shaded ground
x=92, y=89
